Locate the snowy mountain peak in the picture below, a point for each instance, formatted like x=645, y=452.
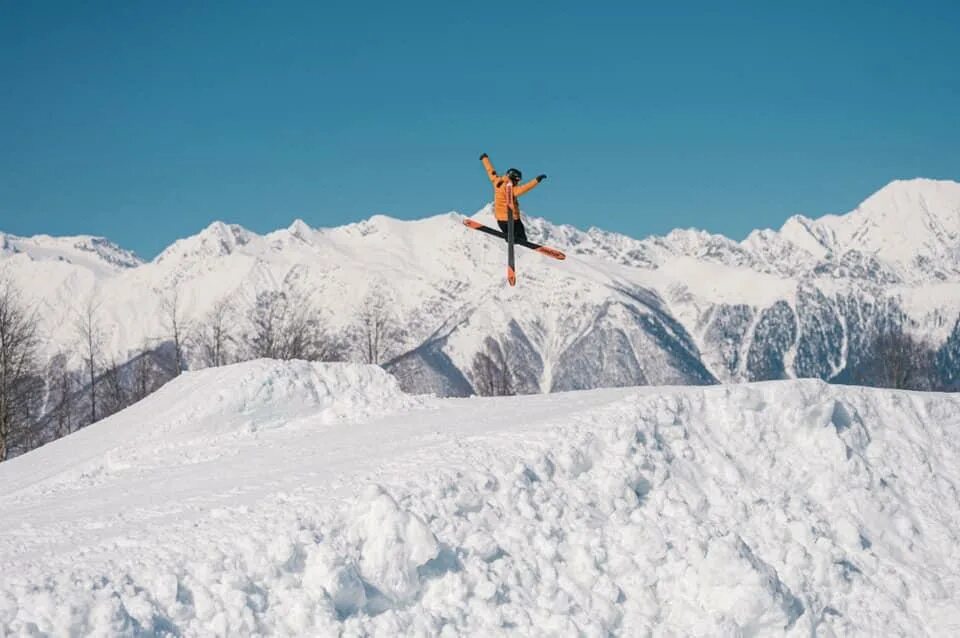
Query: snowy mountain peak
x=806, y=235
x=96, y=253
x=216, y=240
x=300, y=229
x=904, y=197
x=908, y=231
x=908, y=212
x=911, y=225
x=424, y=229
x=372, y=225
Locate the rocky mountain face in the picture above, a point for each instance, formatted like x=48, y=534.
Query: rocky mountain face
x=687, y=308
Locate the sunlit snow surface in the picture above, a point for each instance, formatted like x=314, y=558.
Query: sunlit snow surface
x=299, y=499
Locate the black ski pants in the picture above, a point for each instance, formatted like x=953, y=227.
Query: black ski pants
x=519, y=234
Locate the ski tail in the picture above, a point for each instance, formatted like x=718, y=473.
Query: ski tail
x=546, y=250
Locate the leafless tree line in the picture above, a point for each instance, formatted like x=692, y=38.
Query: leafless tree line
x=284, y=324
x=18, y=367
x=894, y=358
x=41, y=402
x=491, y=371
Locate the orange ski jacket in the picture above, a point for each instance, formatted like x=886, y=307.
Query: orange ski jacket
x=505, y=194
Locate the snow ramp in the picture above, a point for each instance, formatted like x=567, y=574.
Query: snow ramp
x=203, y=415
x=785, y=508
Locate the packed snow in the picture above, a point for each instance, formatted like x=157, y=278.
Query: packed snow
x=296, y=499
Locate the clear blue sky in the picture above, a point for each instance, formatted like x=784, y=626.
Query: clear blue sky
x=145, y=121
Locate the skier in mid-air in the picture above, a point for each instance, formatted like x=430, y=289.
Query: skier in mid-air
x=506, y=190
x=506, y=209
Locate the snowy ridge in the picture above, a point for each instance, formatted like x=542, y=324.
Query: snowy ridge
x=216, y=240
x=785, y=508
x=94, y=253
x=912, y=225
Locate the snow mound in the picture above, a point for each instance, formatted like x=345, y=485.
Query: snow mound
x=785, y=508
x=204, y=402
x=193, y=418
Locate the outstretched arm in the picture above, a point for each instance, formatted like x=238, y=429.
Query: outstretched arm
x=529, y=186
x=487, y=164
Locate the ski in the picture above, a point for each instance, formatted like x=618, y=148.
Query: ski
x=511, y=273
x=543, y=250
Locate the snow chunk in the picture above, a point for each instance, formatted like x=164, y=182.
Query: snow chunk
x=393, y=545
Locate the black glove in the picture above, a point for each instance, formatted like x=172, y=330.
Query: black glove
x=540, y=178
x=483, y=155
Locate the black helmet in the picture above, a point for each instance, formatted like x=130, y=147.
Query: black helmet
x=514, y=174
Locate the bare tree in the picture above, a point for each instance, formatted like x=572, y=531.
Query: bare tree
x=213, y=335
x=115, y=394
x=947, y=361
x=62, y=386
x=90, y=333
x=176, y=326
x=143, y=374
x=491, y=374
x=266, y=319
x=895, y=359
x=285, y=325
x=18, y=366
x=377, y=331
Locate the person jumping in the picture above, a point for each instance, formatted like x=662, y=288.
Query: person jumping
x=506, y=190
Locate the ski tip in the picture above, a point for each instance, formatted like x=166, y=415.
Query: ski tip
x=472, y=223
x=551, y=252
x=511, y=276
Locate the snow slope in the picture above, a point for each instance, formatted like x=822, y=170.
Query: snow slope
x=309, y=499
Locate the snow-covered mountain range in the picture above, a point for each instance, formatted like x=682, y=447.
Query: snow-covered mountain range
x=689, y=307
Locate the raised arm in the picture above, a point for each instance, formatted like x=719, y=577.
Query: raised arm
x=529, y=186
x=487, y=164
